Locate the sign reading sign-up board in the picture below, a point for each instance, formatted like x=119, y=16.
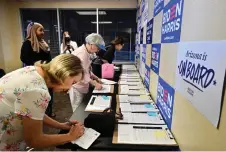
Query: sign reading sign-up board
x=200, y=75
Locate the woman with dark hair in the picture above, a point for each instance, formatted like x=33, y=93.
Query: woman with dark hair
x=67, y=46
x=116, y=44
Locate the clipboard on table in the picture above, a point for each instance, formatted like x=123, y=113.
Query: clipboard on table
x=154, y=134
x=98, y=103
x=124, y=89
x=106, y=89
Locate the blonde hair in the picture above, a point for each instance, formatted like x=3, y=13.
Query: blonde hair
x=36, y=43
x=61, y=67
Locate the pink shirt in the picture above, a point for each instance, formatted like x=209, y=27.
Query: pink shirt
x=84, y=56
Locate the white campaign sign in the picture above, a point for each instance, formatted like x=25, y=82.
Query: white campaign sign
x=200, y=74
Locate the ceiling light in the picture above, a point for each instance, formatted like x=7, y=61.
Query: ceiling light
x=103, y=22
x=91, y=12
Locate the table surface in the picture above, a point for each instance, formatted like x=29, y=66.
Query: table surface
x=105, y=143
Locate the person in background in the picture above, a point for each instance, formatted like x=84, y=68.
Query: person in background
x=24, y=98
x=67, y=45
x=116, y=44
x=94, y=42
x=35, y=49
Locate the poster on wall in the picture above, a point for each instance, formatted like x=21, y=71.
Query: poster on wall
x=158, y=6
x=155, y=57
x=144, y=53
x=149, y=32
x=147, y=76
x=172, y=21
x=200, y=75
x=138, y=23
x=141, y=35
x=137, y=38
x=144, y=11
x=165, y=100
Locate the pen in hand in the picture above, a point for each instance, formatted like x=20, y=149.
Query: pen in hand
x=67, y=120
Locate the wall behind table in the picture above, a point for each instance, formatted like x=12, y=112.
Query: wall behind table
x=11, y=37
x=202, y=20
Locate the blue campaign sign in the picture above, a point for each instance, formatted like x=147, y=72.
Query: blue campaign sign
x=147, y=76
x=172, y=21
x=138, y=23
x=155, y=57
x=141, y=36
x=165, y=100
x=149, y=31
x=158, y=6
x=144, y=53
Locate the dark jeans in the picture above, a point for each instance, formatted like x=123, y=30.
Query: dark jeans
x=50, y=105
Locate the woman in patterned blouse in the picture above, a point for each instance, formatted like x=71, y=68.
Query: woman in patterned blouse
x=24, y=98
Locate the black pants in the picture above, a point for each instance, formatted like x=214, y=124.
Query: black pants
x=50, y=105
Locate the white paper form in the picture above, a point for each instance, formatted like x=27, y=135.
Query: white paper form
x=145, y=134
x=137, y=107
x=128, y=66
x=105, y=89
x=125, y=82
x=135, y=99
x=86, y=140
x=142, y=118
x=98, y=103
x=130, y=77
x=125, y=89
x=109, y=82
x=130, y=80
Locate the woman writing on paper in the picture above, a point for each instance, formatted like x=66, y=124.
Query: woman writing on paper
x=24, y=98
x=94, y=42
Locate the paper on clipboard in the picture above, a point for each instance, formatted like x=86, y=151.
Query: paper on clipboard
x=130, y=107
x=108, y=82
x=145, y=134
x=142, y=118
x=105, y=89
x=98, y=103
x=87, y=139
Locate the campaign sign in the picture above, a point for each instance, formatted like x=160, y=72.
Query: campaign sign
x=165, y=100
x=172, y=21
x=147, y=76
x=158, y=6
x=200, y=75
x=141, y=35
x=144, y=53
x=149, y=32
x=155, y=57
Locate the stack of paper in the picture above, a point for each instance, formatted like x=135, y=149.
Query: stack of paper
x=98, y=103
x=138, y=107
x=130, y=77
x=105, y=89
x=142, y=118
x=131, y=80
x=86, y=140
x=135, y=99
x=109, y=82
x=125, y=89
x=145, y=134
x=126, y=82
